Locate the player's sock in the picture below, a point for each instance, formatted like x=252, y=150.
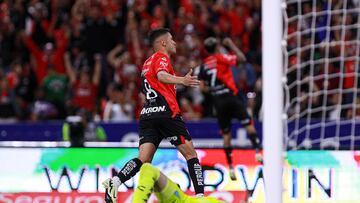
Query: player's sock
x=148, y=176
x=116, y=180
x=129, y=170
x=196, y=175
x=228, y=153
x=256, y=144
x=254, y=140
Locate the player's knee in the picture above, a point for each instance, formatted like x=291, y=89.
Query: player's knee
x=225, y=131
x=190, y=154
x=226, y=134
x=145, y=159
x=251, y=130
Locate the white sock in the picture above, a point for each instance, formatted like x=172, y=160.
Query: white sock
x=116, y=181
x=199, y=195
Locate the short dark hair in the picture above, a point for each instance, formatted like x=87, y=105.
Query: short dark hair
x=210, y=44
x=154, y=34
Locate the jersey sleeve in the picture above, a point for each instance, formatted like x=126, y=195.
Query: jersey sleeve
x=161, y=64
x=229, y=59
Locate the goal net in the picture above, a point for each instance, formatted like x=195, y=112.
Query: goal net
x=321, y=49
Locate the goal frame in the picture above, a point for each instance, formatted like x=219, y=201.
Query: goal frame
x=272, y=69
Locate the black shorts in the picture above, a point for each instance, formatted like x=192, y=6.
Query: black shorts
x=229, y=107
x=156, y=129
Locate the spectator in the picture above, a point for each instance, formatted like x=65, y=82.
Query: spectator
x=189, y=111
x=117, y=109
x=354, y=112
x=41, y=109
x=55, y=87
x=126, y=73
x=8, y=105
x=97, y=26
x=334, y=107
x=50, y=56
x=84, y=87
x=77, y=56
x=121, y=63
x=23, y=80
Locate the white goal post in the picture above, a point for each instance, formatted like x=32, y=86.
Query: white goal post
x=311, y=87
x=272, y=71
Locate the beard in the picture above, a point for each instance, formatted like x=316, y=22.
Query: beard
x=172, y=50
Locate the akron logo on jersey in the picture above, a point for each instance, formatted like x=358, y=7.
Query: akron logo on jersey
x=153, y=109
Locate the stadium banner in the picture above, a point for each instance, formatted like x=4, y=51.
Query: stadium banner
x=116, y=132
x=75, y=174
x=98, y=197
x=205, y=131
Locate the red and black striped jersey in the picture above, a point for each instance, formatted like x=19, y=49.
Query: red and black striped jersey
x=217, y=74
x=160, y=97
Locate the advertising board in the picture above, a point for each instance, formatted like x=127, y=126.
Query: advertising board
x=75, y=175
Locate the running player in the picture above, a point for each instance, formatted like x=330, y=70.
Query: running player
x=217, y=77
x=160, y=118
x=151, y=179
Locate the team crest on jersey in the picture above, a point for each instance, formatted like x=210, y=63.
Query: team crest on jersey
x=164, y=64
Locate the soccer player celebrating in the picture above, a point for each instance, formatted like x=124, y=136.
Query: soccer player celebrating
x=151, y=179
x=160, y=117
x=217, y=77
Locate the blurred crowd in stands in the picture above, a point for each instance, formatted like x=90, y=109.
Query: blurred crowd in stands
x=64, y=57
x=323, y=76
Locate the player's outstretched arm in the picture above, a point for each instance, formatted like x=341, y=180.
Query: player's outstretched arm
x=239, y=54
x=187, y=80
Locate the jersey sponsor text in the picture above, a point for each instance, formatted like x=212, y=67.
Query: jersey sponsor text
x=153, y=109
